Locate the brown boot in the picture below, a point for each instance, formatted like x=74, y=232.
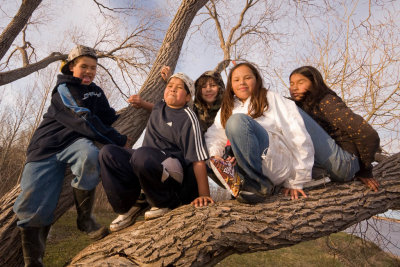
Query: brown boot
x=86, y=222
x=33, y=244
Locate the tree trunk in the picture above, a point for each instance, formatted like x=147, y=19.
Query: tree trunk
x=19, y=21
x=189, y=236
x=132, y=122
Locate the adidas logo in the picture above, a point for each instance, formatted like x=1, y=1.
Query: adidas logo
x=169, y=124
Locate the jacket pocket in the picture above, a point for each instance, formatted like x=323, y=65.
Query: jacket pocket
x=277, y=163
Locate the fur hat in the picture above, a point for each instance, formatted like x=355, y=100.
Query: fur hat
x=78, y=51
x=186, y=80
x=212, y=74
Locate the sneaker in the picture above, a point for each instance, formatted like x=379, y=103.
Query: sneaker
x=249, y=197
x=127, y=219
x=227, y=175
x=316, y=182
x=155, y=212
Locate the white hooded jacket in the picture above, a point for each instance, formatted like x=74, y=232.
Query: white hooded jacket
x=290, y=156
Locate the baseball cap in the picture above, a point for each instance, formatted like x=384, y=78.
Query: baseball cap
x=78, y=51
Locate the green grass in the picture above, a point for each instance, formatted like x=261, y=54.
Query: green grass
x=65, y=240
x=340, y=249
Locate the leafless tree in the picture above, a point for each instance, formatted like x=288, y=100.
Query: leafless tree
x=359, y=58
x=127, y=51
x=201, y=237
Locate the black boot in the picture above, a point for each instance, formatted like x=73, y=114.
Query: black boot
x=33, y=244
x=86, y=223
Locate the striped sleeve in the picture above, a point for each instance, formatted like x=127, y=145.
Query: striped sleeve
x=199, y=144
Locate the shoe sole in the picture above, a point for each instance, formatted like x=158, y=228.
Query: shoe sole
x=99, y=234
x=315, y=183
x=152, y=217
x=130, y=220
x=249, y=198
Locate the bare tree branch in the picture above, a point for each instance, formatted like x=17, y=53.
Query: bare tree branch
x=18, y=22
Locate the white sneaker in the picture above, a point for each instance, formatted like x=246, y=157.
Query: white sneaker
x=155, y=212
x=317, y=182
x=126, y=219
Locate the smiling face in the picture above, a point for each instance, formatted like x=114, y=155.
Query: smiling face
x=84, y=68
x=243, y=82
x=209, y=91
x=175, y=94
x=299, y=85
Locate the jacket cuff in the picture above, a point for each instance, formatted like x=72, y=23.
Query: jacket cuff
x=122, y=140
x=366, y=173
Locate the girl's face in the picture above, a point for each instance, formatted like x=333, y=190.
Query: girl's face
x=84, y=68
x=299, y=85
x=209, y=91
x=243, y=82
x=175, y=94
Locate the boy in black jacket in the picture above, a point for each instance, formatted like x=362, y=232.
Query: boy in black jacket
x=79, y=114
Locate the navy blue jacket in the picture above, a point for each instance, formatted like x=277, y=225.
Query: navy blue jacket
x=75, y=111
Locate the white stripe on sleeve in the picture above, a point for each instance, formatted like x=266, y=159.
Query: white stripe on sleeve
x=200, y=149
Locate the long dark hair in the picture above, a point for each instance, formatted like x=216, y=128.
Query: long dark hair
x=317, y=90
x=201, y=82
x=258, y=100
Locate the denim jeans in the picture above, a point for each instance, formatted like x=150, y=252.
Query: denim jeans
x=248, y=141
x=42, y=182
x=340, y=164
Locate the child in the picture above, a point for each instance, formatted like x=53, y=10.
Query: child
x=347, y=144
x=79, y=114
x=172, y=149
x=268, y=138
x=209, y=88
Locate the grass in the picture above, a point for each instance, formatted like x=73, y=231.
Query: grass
x=340, y=249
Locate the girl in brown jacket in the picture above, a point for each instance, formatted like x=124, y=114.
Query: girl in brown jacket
x=350, y=131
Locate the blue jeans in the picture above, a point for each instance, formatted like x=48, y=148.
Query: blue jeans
x=340, y=164
x=248, y=141
x=42, y=182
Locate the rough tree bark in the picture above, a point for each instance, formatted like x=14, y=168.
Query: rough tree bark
x=131, y=122
x=204, y=236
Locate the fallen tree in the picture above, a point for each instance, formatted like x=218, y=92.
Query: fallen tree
x=190, y=236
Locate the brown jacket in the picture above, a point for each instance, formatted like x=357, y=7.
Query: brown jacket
x=350, y=131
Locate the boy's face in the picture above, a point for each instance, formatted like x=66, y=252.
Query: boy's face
x=84, y=68
x=175, y=94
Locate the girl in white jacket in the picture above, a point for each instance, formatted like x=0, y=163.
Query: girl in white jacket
x=269, y=141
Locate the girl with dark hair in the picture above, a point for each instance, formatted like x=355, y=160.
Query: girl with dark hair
x=347, y=140
x=269, y=141
x=209, y=88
